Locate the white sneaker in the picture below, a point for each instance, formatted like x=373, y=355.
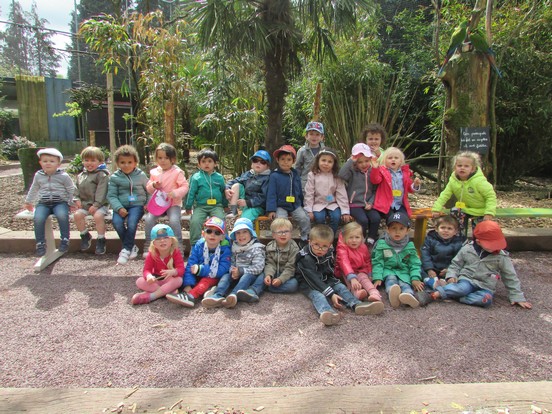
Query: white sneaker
x=145, y=255
x=123, y=257
x=134, y=252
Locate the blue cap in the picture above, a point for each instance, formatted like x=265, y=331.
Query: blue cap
x=160, y=231
x=263, y=155
x=315, y=126
x=243, y=224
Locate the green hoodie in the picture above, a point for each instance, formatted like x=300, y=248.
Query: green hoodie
x=476, y=193
x=406, y=264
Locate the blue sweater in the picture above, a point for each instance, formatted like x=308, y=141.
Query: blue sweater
x=282, y=185
x=196, y=257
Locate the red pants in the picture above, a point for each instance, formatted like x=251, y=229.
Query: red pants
x=204, y=284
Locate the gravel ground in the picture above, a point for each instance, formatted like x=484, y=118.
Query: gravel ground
x=73, y=326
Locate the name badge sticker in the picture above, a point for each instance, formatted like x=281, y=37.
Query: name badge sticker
x=397, y=193
x=329, y=198
x=290, y=199
x=131, y=198
x=460, y=204
x=211, y=201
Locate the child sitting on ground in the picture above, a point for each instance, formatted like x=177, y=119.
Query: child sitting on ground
x=394, y=181
x=353, y=265
x=315, y=273
x=167, y=183
x=246, y=270
x=206, y=194
x=314, y=135
x=361, y=192
x=284, y=194
x=248, y=191
x=91, y=197
x=163, y=267
x=474, y=272
x=440, y=247
x=475, y=196
x=281, y=253
x=53, y=191
x=395, y=262
x=126, y=192
x=209, y=261
x=325, y=193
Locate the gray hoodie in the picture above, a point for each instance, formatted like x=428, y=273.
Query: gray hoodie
x=51, y=189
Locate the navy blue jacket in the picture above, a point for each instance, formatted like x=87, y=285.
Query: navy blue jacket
x=280, y=186
x=255, y=185
x=437, y=253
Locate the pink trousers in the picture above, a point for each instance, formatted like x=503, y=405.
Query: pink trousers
x=367, y=285
x=167, y=286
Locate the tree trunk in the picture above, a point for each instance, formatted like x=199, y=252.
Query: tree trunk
x=169, y=122
x=29, y=165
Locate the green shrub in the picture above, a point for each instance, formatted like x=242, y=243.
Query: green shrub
x=10, y=146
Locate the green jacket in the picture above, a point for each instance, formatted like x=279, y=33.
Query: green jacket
x=476, y=192
x=205, y=186
x=119, y=189
x=406, y=264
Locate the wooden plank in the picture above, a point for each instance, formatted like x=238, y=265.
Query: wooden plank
x=434, y=398
x=524, y=212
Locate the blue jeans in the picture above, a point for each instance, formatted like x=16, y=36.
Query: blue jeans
x=42, y=211
x=322, y=304
x=247, y=281
x=467, y=293
x=127, y=233
x=289, y=286
x=392, y=280
x=334, y=215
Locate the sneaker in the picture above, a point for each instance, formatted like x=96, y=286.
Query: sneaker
x=230, y=216
x=374, y=297
x=86, y=241
x=394, y=293
x=361, y=294
x=183, y=299
x=409, y=299
x=423, y=298
x=123, y=256
x=134, y=252
x=329, y=318
x=210, y=292
x=40, y=249
x=230, y=301
x=248, y=296
x=371, y=308
x=63, y=245
x=100, y=245
x=212, y=302
x=141, y=298
x=146, y=250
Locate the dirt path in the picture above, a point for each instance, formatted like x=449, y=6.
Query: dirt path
x=73, y=326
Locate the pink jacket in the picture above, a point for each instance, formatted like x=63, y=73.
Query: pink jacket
x=350, y=260
x=171, y=180
x=384, y=193
x=322, y=186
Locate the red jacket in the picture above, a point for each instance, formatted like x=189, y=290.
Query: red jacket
x=350, y=260
x=155, y=265
x=384, y=193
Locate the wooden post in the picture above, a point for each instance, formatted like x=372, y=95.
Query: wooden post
x=111, y=117
x=92, y=138
x=169, y=122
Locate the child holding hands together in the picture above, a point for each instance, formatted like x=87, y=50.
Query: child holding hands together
x=281, y=253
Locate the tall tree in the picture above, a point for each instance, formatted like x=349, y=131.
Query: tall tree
x=276, y=32
x=44, y=56
x=16, y=41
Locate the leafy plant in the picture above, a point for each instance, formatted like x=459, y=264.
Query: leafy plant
x=75, y=166
x=10, y=146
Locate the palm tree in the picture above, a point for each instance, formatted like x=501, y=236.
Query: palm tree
x=276, y=32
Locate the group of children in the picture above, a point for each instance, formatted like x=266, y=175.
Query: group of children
x=308, y=186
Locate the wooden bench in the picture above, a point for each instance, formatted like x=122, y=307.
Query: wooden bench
x=52, y=253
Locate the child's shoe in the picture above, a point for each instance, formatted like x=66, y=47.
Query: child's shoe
x=366, y=308
x=361, y=294
x=100, y=245
x=141, y=298
x=210, y=292
x=230, y=301
x=123, y=257
x=40, y=249
x=394, y=294
x=248, y=296
x=212, y=302
x=86, y=241
x=63, y=246
x=134, y=252
x=329, y=318
x=423, y=298
x=374, y=296
x=409, y=299
x=183, y=299
x=146, y=250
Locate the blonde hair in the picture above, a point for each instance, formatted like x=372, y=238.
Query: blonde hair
x=174, y=245
x=348, y=229
x=392, y=150
x=321, y=232
x=92, y=152
x=473, y=156
x=280, y=222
